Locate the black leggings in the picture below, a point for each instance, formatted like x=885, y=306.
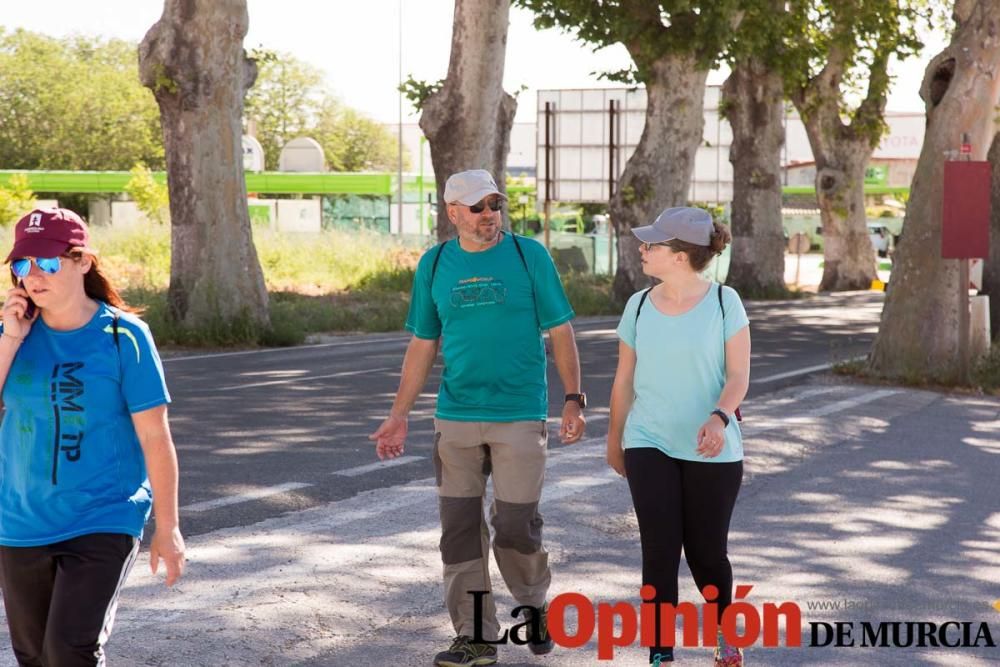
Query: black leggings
x=61, y=598
x=683, y=503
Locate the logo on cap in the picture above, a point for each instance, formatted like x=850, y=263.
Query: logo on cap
x=35, y=223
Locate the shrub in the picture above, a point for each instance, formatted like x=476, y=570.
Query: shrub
x=15, y=200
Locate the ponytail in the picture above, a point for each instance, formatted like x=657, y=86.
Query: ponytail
x=98, y=287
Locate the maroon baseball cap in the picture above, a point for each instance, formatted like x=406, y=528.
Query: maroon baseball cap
x=48, y=232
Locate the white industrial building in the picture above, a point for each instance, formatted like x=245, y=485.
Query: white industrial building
x=579, y=140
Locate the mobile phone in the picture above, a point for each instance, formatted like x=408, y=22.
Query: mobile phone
x=30, y=310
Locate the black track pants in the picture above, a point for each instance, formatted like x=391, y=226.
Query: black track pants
x=61, y=598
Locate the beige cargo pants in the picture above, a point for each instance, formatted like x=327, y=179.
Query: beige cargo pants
x=465, y=454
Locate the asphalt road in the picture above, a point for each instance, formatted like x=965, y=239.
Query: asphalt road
x=264, y=432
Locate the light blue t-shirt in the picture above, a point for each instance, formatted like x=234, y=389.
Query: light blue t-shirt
x=70, y=459
x=489, y=309
x=680, y=372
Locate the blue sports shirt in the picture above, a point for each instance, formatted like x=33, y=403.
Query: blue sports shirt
x=70, y=459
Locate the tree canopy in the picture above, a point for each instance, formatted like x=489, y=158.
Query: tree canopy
x=290, y=100
x=649, y=30
x=74, y=103
x=77, y=103
x=844, y=47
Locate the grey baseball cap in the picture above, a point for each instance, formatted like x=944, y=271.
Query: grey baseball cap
x=469, y=187
x=684, y=223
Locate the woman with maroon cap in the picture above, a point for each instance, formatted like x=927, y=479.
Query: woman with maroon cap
x=85, y=446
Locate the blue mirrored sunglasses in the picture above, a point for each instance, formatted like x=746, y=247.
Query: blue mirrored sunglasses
x=22, y=267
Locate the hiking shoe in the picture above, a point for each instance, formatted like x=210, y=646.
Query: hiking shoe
x=543, y=643
x=727, y=656
x=466, y=653
x=660, y=655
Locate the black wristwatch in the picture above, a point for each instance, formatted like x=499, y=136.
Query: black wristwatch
x=722, y=415
x=579, y=398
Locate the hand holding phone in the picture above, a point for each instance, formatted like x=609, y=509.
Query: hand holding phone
x=29, y=313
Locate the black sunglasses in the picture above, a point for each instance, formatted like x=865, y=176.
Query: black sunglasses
x=495, y=204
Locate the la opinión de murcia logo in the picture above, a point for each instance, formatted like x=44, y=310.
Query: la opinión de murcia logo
x=618, y=624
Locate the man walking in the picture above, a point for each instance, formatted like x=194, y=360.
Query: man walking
x=485, y=297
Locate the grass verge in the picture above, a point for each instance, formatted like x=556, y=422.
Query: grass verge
x=984, y=378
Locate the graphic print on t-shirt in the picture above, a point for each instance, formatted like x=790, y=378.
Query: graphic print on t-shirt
x=478, y=291
x=66, y=390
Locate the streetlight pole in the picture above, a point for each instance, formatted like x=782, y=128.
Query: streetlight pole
x=523, y=200
x=399, y=194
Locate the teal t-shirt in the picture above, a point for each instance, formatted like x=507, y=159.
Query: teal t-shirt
x=680, y=372
x=70, y=460
x=489, y=311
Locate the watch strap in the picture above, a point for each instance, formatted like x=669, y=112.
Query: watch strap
x=722, y=415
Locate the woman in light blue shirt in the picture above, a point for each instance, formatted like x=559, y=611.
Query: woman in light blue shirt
x=683, y=369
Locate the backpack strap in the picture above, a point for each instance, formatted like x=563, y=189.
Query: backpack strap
x=520, y=253
x=737, y=414
x=642, y=300
x=115, y=316
x=437, y=258
x=517, y=246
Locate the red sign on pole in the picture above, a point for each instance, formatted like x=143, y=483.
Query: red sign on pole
x=965, y=223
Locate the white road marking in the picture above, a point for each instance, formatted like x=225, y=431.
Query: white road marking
x=378, y=465
x=304, y=378
x=219, y=355
x=845, y=404
x=244, y=497
x=801, y=371
x=224, y=501
x=808, y=417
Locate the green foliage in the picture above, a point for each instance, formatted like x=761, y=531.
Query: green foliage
x=985, y=375
x=987, y=372
x=628, y=76
x=519, y=188
x=363, y=310
x=774, y=293
x=162, y=81
x=859, y=37
x=591, y=294
x=649, y=30
x=417, y=91
x=74, y=103
x=289, y=100
x=262, y=56
x=15, y=200
x=281, y=100
x=330, y=261
x=151, y=197
x=333, y=281
x=240, y=331
x=136, y=257
x=353, y=142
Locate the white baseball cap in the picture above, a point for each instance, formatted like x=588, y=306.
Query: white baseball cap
x=469, y=187
x=684, y=223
